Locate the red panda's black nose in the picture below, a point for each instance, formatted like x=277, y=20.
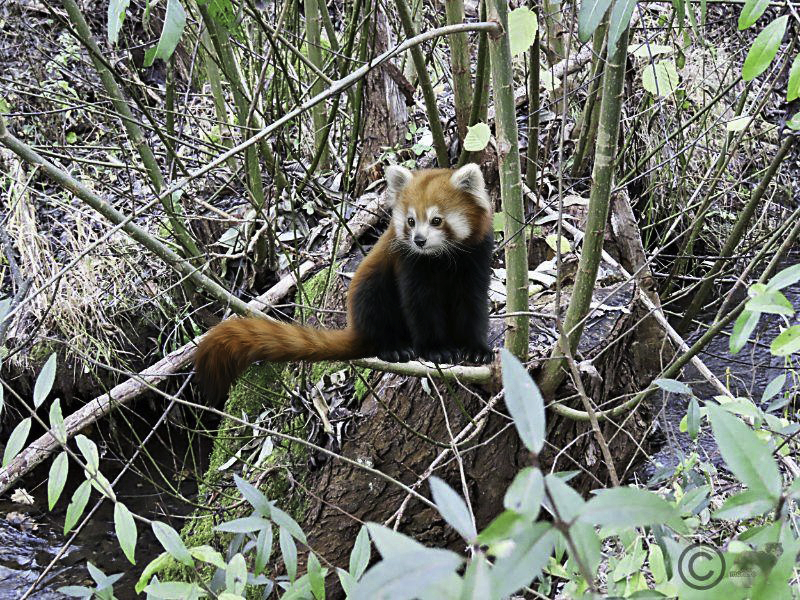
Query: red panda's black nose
x=419, y=241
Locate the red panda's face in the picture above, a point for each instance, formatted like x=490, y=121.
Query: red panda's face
x=438, y=210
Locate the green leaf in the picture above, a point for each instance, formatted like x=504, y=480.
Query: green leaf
x=531, y=551
x=525, y=494
x=348, y=581
x=76, y=591
x=751, y=11
x=773, y=388
x=657, y=566
x=619, y=20
x=359, y=557
x=641, y=508
x=253, y=495
x=174, y=590
x=764, y=49
x=89, y=451
x=589, y=17
x=57, y=422
x=244, y=525
x=568, y=503
x=171, y=542
x=315, y=577
x=390, y=542
x=747, y=457
x=44, y=382
x=477, y=137
x=282, y=519
x=263, y=550
x=174, y=22
x=788, y=342
x=56, y=479
x=160, y=562
x=524, y=402
x=407, y=575
x=673, y=386
x=745, y=505
x=648, y=50
x=552, y=241
x=289, y=553
x=661, y=78
x=772, y=302
x=125, y=528
x=794, y=122
x=116, y=16
x=16, y=441
x=738, y=123
x=236, y=574
x=693, y=419
x=453, y=508
x=207, y=554
x=522, y=27
x=76, y=506
x=477, y=580
x=745, y=324
x=793, y=87
x=504, y=526
x=784, y=278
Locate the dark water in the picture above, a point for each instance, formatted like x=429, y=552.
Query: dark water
x=31, y=536
x=746, y=374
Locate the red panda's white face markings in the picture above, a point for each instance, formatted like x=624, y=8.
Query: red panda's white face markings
x=436, y=210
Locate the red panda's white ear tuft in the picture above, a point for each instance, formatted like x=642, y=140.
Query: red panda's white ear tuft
x=397, y=178
x=470, y=179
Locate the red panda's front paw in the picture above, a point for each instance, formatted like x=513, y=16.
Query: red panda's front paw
x=481, y=356
x=402, y=355
x=442, y=356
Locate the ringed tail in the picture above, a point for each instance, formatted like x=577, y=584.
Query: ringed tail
x=228, y=348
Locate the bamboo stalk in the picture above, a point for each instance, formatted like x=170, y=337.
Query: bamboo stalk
x=599, y=202
x=431, y=105
x=459, y=61
x=736, y=234
x=137, y=138
x=591, y=112
x=480, y=93
x=516, y=249
x=318, y=118
x=532, y=151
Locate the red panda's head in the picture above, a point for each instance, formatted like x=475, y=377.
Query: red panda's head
x=436, y=210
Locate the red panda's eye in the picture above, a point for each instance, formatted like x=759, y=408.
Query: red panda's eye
x=436, y=221
x=410, y=222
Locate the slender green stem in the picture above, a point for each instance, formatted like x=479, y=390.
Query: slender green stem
x=599, y=202
x=431, y=104
x=459, y=60
x=516, y=248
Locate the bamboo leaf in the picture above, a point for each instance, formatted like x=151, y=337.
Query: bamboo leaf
x=125, y=528
x=116, y=17
x=673, y=386
x=745, y=324
x=44, y=382
x=315, y=576
x=249, y=524
x=522, y=27
x=171, y=542
x=359, y=557
x=641, y=508
x=76, y=506
x=619, y=20
x=407, y=575
x=89, y=451
x=453, y=508
x=788, y=342
x=785, y=277
x=772, y=302
x=56, y=479
x=207, y=554
x=793, y=87
x=524, y=495
x=236, y=574
x=693, y=419
x=159, y=563
x=57, y=422
x=174, y=22
x=477, y=137
x=16, y=441
x=764, y=49
x=751, y=11
x=589, y=17
x=524, y=401
x=747, y=457
x=253, y=495
x=289, y=553
x=773, y=388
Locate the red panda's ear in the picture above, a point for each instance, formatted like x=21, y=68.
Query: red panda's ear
x=470, y=180
x=397, y=178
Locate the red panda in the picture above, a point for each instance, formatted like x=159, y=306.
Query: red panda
x=421, y=292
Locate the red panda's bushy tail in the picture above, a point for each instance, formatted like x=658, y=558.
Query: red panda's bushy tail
x=228, y=348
